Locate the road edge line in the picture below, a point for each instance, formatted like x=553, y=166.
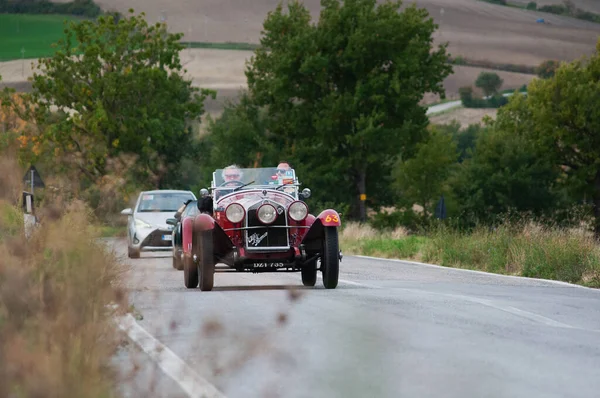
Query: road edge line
x=172, y=365
x=476, y=271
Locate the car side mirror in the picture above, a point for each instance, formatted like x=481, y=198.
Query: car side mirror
x=172, y=221
x=306, y=193
x=204, y=193
x=127, y=211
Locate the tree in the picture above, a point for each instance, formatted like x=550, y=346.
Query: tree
x=547, y=69
x=117, y=88
x=564, y=117
x=343, y=95
x=532, y=5
x=422, y=178
x=489, y=82
x=508, y=170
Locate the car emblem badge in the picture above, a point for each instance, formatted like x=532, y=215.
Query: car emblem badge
x=254, y=239
x=279, y=210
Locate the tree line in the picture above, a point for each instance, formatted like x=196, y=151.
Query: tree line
x=340, y=100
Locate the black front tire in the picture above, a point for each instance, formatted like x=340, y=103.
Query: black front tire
x=330, y=260
x=206, y=259
x=309, y=274
x=190, y=272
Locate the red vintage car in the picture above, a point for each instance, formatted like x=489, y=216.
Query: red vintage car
x=257, y=220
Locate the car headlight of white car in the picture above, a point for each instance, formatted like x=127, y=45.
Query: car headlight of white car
x=142, y=224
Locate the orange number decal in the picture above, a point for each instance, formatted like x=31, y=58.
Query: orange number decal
x=331, y=218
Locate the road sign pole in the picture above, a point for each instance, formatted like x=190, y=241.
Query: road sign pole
x=32, y=181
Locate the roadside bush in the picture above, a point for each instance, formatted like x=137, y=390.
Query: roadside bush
x=520, y=248
x=57, y=335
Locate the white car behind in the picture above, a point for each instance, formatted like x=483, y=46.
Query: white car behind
x=147, y=229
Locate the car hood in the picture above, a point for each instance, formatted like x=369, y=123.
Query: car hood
x=158, y=219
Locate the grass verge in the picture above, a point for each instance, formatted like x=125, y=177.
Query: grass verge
x=522, y=249
x=57, y=333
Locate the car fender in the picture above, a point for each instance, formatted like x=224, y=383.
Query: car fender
x=330, y=218
x=187, y=227
x=203, y=222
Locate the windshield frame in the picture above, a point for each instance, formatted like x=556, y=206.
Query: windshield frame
x=263, y=178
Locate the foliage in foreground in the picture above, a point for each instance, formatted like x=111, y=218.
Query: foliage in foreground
x=57, y=334
x=522, y=248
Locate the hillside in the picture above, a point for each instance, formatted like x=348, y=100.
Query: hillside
x=475, y=29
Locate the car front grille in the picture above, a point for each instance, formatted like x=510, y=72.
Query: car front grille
x=155, y=239
x=265, y=236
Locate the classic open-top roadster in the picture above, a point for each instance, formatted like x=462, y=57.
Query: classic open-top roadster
x=256, y=220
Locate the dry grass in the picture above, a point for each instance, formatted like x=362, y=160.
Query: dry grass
x=522, y=248
x=56, y=331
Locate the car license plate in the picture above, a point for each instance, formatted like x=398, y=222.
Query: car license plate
x=167, y=237
x=268, y=265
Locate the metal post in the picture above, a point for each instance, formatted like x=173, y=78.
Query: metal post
x=22, y=61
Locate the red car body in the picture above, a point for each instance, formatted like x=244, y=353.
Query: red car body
x=259, y=223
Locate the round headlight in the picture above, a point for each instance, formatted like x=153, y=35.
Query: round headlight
x=235, y=213
x=266, y=214
x=298, y=211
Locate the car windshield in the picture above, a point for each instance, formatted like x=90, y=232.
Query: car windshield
x=227, y=179
x=159, y=202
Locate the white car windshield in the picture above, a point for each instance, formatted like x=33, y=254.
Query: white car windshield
x=162, y=202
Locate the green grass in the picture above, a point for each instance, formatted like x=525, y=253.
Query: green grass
x=33, y=33
x=522, y=249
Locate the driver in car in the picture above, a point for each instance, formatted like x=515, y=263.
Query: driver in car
x=230, y=174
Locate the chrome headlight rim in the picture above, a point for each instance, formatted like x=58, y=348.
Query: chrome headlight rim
x=295, y=205
x=241, y=215
x=264, y=206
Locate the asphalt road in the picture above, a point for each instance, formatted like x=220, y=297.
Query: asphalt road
x=390, y=329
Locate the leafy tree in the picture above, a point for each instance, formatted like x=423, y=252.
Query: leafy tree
x=343, y=95
x=122, y=83
x=489, y=82
x=507, y=171
x=547, y=69
x=532, y=5
x=564, y=116
x=422, y=178
x=239, y=136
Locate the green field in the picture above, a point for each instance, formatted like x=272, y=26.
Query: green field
x=34, y=33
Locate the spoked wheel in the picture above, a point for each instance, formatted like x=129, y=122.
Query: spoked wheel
x=330, y=261
x=190, y=272
x=309, y=274
x=206, y=260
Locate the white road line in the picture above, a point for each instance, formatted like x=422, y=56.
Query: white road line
x=352, y=283
x=476, y=272
x=190, y=382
